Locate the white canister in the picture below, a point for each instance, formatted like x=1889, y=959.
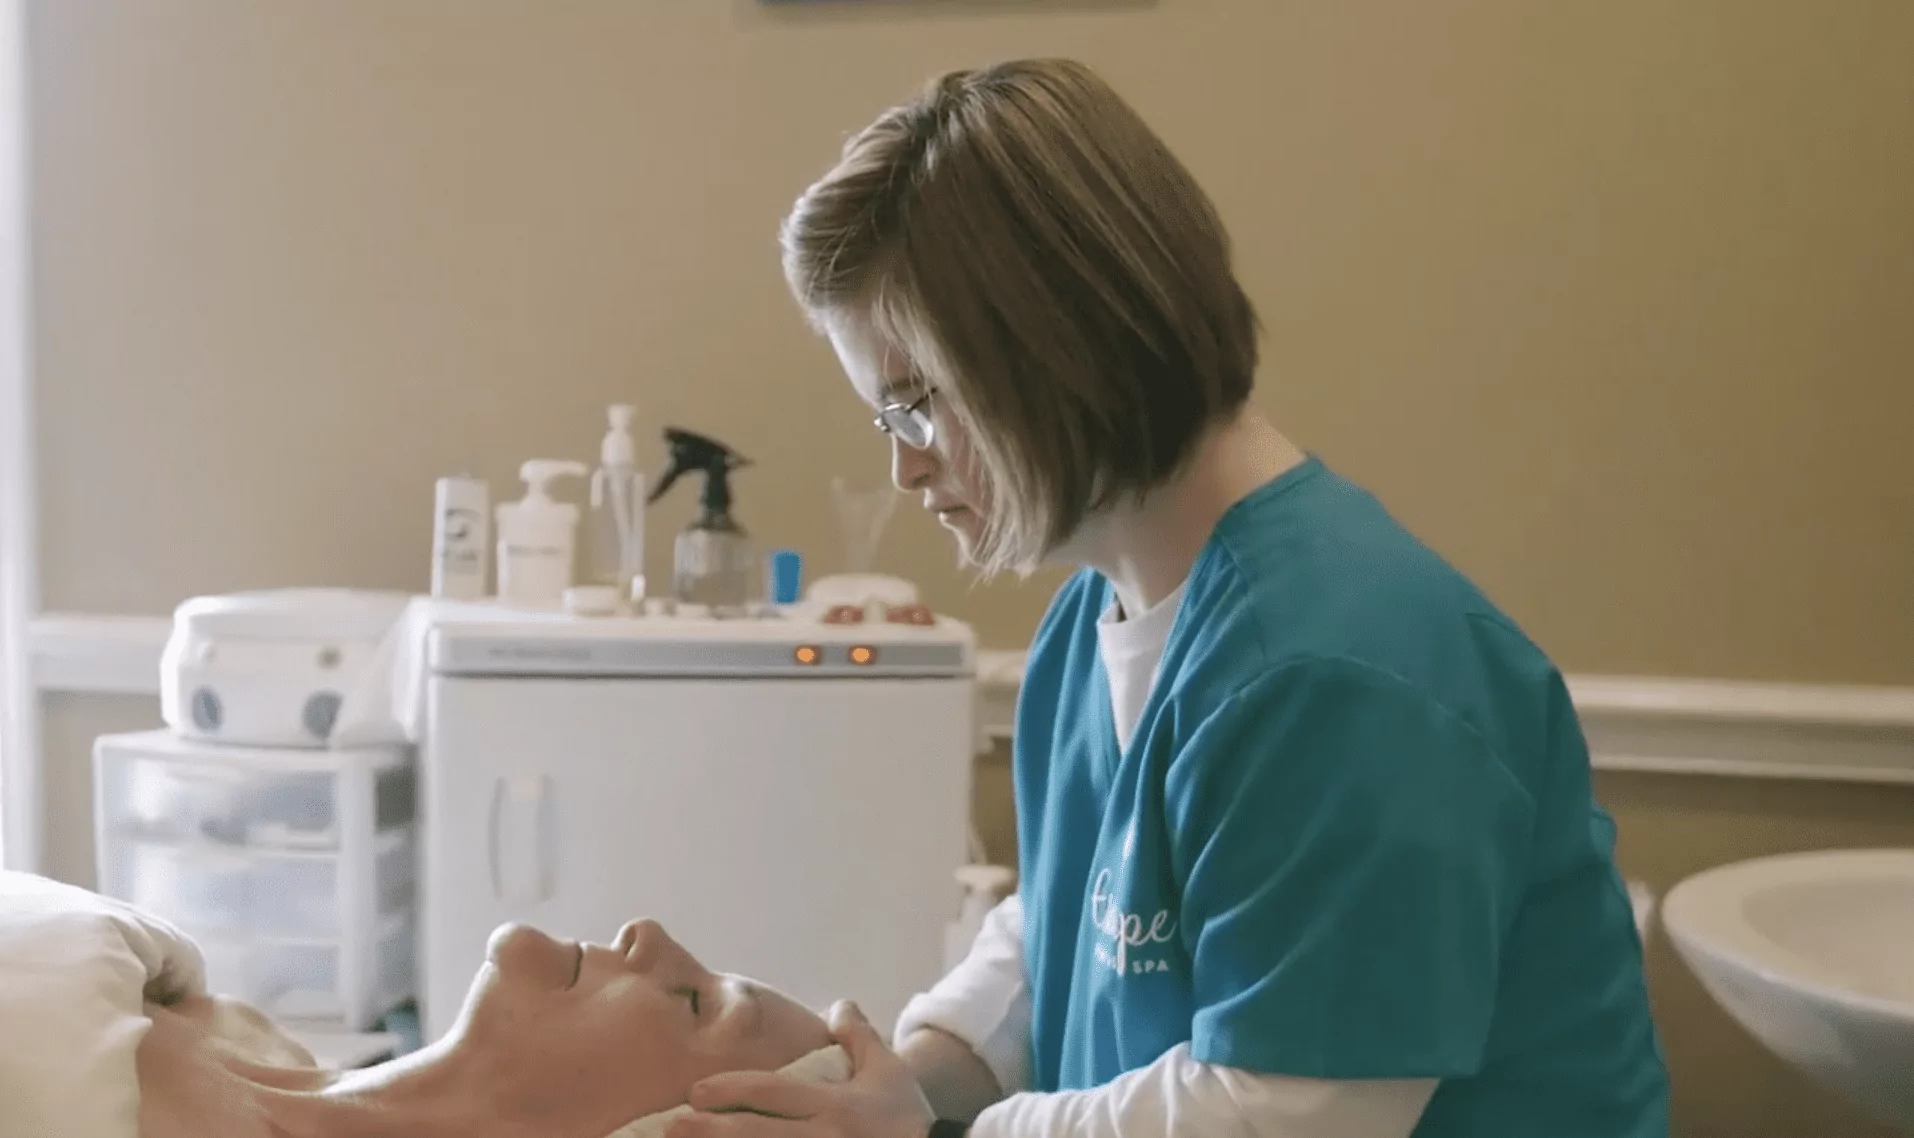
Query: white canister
x=461, y=538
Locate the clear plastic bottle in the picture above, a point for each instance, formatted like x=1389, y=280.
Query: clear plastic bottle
x=715, y=563
x=615, y=522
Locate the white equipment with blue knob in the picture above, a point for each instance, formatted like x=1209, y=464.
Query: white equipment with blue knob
x=270, y=668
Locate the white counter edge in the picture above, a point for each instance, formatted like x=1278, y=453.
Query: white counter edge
x=1721, y=728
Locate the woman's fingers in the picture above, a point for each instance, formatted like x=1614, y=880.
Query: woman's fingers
x=760, y=1092
x=858, y=1038
x=882, y=1100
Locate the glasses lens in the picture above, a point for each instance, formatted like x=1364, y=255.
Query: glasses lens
x=912, y=428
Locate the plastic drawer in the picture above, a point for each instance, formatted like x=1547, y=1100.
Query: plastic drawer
x=273, y=893
x=292, y=868
x=313, y=981
x=206, y=887
x=157, y=787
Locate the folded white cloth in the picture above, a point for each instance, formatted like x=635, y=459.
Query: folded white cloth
x=825, y=1065
x=76, y=970
x=386, y=701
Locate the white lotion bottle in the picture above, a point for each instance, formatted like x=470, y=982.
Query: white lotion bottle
x=537, y=536
x=461, y=543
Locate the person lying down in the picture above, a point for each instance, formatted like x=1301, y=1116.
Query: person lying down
x=556, y=1039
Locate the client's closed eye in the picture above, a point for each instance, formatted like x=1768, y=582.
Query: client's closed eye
x=690, y=994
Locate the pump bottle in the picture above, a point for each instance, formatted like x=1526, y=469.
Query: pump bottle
x=713, y=562
x=537, y=536
x=615, y=524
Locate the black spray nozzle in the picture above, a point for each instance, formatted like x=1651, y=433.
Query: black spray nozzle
x=690, y=451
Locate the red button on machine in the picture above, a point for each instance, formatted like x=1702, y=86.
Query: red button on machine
x=910, y=614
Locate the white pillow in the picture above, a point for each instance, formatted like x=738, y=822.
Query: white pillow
x=76, y=970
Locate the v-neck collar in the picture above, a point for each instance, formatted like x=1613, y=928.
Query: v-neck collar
x=1113, y=754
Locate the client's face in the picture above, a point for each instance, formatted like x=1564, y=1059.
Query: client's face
x=588, y=1037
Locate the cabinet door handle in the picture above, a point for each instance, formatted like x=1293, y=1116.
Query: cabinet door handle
x=522, y=836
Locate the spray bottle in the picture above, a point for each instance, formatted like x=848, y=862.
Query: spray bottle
x=615, y=523
x=536, y=538
x=713, y=562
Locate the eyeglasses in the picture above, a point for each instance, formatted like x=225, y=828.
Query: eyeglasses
x=910, y=423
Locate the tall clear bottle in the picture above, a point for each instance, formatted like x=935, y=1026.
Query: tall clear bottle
x=615, y=521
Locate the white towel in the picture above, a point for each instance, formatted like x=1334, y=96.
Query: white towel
x=825, y=1065
x=386, y=701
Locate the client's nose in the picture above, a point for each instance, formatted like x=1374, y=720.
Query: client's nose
x=651, y=948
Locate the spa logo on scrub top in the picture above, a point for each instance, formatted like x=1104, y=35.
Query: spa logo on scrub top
x=1128, y=940
x=1130, y=936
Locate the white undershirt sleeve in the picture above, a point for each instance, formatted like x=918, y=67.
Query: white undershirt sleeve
x=985, y=1000
x=1182, y=1097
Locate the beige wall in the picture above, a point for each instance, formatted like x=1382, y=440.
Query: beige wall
x=1606, y=300
x=68, y=724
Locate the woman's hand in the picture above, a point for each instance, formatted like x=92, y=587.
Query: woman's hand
x=881, y=1100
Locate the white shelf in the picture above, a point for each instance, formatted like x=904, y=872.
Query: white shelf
x=82, y=652
x=1718, y=728
x=1660, y=725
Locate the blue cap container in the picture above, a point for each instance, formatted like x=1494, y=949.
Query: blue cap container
x=787, y=576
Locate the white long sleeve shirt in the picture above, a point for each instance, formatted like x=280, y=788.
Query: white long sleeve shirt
x=985, y=1001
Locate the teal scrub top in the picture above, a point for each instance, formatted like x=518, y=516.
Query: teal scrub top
x=1353, y=837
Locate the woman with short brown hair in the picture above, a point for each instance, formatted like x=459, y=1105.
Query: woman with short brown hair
x=1308, y=841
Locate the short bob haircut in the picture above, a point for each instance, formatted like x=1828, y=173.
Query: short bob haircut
x=1052, y=271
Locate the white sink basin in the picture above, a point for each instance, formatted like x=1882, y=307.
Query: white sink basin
x=1814, y=955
